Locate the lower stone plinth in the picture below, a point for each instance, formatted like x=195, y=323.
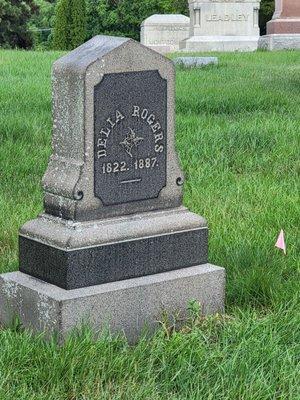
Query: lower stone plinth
x=280, y=42
x=220, y=43
x=126, y=306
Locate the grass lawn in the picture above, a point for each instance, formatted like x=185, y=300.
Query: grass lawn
x=238, y=136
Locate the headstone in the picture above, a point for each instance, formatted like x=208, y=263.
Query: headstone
x=115, y=245
x=164, y=32
x=195, y=62
x=223, y=25
x=283, y=31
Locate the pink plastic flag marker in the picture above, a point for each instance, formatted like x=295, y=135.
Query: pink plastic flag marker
x=280, y=242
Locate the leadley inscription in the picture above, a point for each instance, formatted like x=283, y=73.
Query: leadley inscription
x=130, y=117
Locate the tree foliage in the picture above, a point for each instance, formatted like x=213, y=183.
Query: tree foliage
x=14, y=18
x=77, y=20
x=61, y=35
x=42, y=23
x=175, y=6
x=266, y=12
x=78, y=23
x=124, y=17
x=45, y=17
x=70, y=24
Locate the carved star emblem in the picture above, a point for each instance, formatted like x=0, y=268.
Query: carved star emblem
x=131, y=140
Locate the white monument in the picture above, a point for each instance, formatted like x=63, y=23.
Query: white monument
x=223, y=25
x=164, y=32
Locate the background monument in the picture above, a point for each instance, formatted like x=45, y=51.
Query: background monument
x=164, y=32
x=114, y=246
x=223, y=25
x=283, y=31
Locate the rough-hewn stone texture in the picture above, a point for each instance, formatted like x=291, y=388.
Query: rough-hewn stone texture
x=126, y=306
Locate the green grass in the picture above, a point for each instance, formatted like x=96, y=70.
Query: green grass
x=238, y=136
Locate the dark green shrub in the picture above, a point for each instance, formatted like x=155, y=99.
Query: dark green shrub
x=14, y=18
x=124, y=17
x=41, y=24
x=70, y=24
x=61, y=33
x=266, y=12
x=78, y=23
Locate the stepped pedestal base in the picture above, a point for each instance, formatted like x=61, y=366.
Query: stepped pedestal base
x=125, y=306
x=220, y=43
x=280, y=42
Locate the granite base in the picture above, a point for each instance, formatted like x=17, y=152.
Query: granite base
x=280, y=42
x=219, y=43
x=126, y=306
x=75, y=255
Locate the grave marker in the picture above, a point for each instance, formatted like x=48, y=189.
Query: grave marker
x=114, y=245
x=164, y=32
x=223, y=25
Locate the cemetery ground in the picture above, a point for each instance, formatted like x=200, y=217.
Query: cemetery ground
x=238, y=136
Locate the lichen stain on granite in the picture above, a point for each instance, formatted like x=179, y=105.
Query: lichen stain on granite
x=10, y=289
x=46, y=310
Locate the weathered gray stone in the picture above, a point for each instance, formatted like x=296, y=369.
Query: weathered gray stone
x=222, y=25
x=164, y=32
x=114, y=120
x=280, y=42
x=195, y=62
x=126, y=306
x=71, y=192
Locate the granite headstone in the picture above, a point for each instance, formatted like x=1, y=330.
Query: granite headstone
x=114, y=244
x=164, y=32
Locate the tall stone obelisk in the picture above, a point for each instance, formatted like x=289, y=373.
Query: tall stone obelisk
x=283, y=31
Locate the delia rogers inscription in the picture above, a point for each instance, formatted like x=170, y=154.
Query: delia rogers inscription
x=130, y=141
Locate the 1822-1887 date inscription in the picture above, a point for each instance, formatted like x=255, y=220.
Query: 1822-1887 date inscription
x=115, y=167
